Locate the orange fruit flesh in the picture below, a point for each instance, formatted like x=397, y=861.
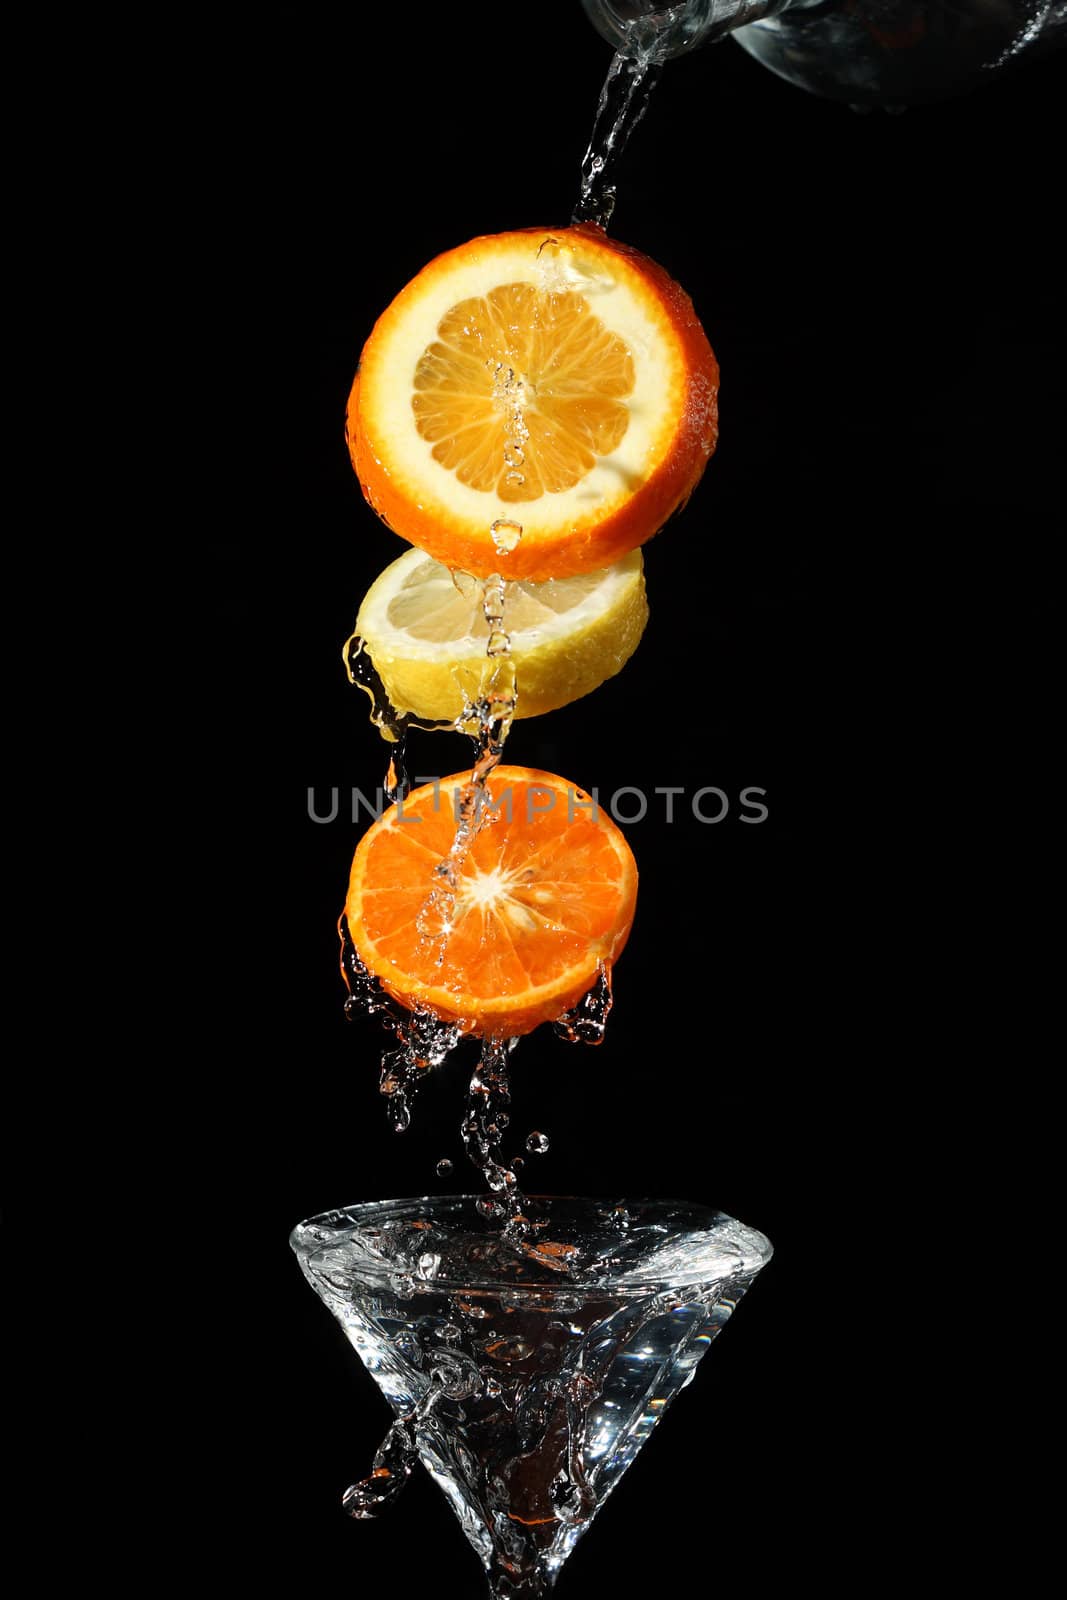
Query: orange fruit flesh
x=535, y=418
x=542, y=899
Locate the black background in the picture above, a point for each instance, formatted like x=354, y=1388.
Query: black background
x=852, y=614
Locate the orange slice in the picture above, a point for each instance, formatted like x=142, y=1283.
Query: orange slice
x=535, y=404
x=545, y=894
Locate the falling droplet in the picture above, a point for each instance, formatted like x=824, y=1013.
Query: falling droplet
x=506, y=535
x=537, y=1143
x=585, y=1023
x=401, y=1115
x=392, y=1469
x=444, y=1167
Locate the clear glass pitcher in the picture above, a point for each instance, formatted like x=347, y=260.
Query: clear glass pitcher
x=868, y=52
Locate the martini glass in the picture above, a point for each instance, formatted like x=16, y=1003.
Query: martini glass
x=526, y=1369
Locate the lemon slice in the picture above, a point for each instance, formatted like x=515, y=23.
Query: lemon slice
x=424, y=629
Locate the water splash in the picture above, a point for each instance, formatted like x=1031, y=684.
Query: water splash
x=393, y=1461
x=585, y=1023
x=1027, y=34
x=483, y=1128
x=423, y=1041
x=392, y=726
x=509, y=392
x=452, y=1378
x=494, y=600
x=623, y=102
x=490, y=716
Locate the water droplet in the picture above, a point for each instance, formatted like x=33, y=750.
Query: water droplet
x=428, y=1265
x=456, y=1375
x=401, y=1115
x=375, y=1494
x=512, y=1349
x=482, y=1127
x=444, y=1167
x=537, y=1143
x=407, y=1346
x=572, y=1505
x=506, y=535
x=518, y=1163
x=404, y=1287
x=549, y=1253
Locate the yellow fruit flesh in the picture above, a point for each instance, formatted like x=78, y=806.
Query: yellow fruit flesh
x=425, y=631
x=437, y=606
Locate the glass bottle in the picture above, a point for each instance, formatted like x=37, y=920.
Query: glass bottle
x=867, y=52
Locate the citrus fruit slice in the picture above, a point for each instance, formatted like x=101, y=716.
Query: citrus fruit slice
x=544, y=894
x=425, y=630
x=551, y=383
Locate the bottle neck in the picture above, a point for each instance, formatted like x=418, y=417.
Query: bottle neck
x=658, y=30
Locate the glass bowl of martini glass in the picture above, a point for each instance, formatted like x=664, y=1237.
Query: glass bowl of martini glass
x=525, y=1367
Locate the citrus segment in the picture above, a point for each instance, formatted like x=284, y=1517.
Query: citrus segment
x=544, y=895
x=425, y=630
x=553, y=378
x=522, y=391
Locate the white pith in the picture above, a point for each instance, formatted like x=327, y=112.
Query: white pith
x=491, y=891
